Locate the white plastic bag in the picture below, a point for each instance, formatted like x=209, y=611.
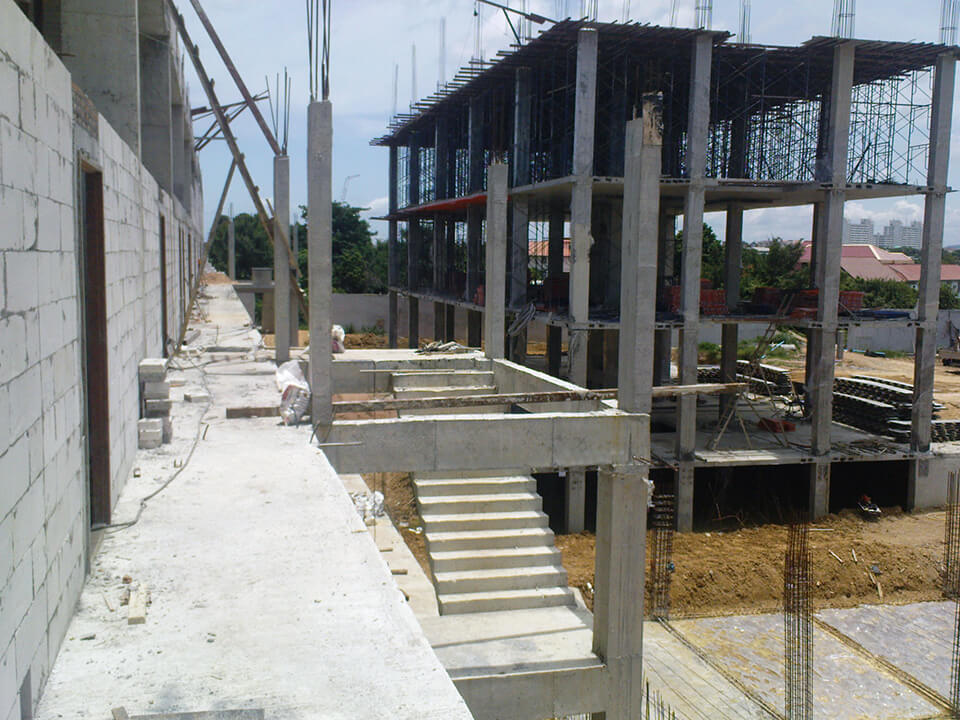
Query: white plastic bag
x=294, y=392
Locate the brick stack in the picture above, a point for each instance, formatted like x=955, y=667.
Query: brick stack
x=154, y=427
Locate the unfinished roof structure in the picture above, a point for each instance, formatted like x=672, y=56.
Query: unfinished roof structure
x=737, y=127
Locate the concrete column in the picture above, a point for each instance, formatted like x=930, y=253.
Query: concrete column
x=555, y=271
x=928, y=303
x=733, y=252
x=294, y=284
x=413, y=245
x=581, y=202
x=663, y=340
x=575, y=500
x=231, y=247
x=696, y=153
x=100, y=47
x=494, y=316
x=439, y=255
x=156, y=127
x=622, y=493
x=638, y=263
x=393, y=257
x=320, y=251
x=831, y=172
x=450, y=329
x=281, y=264
x=519, y=252
x=474, y=328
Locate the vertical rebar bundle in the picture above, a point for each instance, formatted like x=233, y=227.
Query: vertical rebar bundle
x=661, y=560
x=951, y=540
x=704, y=14
x=797, y=624
x=844, y=14
x=955, y=667
x=745, y=22
x=949, y=12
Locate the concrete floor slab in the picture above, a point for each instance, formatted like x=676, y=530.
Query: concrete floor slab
x=267, y=590
x=845, y=684
x=916, y=638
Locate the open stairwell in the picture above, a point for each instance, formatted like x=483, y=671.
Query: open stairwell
x=489, y=544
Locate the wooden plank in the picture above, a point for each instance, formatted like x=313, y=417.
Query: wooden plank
x=253, y=411
x=137, y=607
x=525, y=398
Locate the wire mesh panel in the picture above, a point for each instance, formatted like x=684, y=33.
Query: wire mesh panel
x=797, y=624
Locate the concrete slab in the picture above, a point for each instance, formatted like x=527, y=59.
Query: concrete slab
x=916, y=638
x=845, y=684
x=267, y=590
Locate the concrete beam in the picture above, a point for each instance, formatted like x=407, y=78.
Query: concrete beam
x=929, y=300
x=494, y=315
x=440, y=443
x=618, y=604
x=551, y=693
x=832, y=171
x=638, y=265
x=581, y=202
x=320, y=250
x=696, y=155
x=281, y=263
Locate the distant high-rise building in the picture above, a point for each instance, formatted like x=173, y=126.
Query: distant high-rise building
x=859, y=233
x=896, y=234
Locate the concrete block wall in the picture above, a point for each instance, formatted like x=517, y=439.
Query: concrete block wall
x=42, y=478
x=44, y=521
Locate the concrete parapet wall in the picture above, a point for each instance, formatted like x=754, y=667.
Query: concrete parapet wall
x=487, y=441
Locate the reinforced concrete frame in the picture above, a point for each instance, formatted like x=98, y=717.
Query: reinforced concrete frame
x=742, y=127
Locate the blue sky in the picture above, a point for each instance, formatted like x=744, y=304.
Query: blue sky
x=370, y=37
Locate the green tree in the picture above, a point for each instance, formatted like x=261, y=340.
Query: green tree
x=886, y=293
x=778, y=267
x=711, y=265
x=948, y=298
x=910, y=252
x=252, y=245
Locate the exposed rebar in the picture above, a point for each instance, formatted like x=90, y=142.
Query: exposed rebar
x=661, y=560
x=797, y=624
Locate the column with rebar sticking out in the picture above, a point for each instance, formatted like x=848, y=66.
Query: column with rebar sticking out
x=281, y=262
x=797, y=624
x=951, y=581
x=393, y=257
x=696, y=157
x=320, y=252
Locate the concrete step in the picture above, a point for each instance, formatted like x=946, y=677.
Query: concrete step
x=444, y=391
x=520, y=578
x=474, y=486
x=473, y=504
x=484, y=521
x=452, y=604
x=441, y=378
x=477, y=540
x=489, y=559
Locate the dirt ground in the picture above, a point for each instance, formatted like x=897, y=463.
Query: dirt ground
x=401, y=505
x=720, y=573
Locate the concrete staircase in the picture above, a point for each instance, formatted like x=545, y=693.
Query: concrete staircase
x=489, y=545
x=443, y=383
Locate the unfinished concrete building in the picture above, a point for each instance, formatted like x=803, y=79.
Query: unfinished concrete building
x=739, y=127
x=100, y=229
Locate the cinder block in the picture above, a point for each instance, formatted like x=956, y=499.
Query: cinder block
x=22, y=291
x=197, y=396
x=156, y=390
x=158, y=408
x=150, y=433
x=167, y=430
x=152, y=369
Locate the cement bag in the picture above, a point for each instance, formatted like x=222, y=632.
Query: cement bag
x=337, y=335
x=294, y=392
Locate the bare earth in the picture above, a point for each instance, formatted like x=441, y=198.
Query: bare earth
x=719, y=573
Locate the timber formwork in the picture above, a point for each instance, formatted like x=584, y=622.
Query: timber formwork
x=740, y=127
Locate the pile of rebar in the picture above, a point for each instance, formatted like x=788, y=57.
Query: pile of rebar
x=884, y=407
x=764, y=380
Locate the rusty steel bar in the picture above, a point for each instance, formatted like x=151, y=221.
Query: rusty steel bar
x=247, y=97
x=533, y=397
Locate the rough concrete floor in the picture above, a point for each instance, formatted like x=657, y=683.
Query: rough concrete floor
x=267, y=590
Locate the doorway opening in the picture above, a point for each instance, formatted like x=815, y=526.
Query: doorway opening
x=96, y=381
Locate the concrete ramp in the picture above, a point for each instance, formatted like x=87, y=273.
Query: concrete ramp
x=489, y=543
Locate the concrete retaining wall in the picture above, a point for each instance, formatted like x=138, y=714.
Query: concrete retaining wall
x=44, y=520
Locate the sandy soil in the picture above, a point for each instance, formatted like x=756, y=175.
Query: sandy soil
x=401, y=505
x=742, y=571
